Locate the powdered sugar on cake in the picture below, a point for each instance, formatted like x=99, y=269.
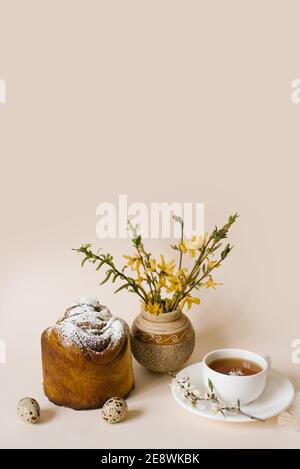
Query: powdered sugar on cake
x=90, y=325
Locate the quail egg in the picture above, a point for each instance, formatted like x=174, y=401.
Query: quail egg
x=114, y=410
x=28, y=409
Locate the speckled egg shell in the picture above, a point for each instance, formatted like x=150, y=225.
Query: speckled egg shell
x=28, y=409
x=114, y=410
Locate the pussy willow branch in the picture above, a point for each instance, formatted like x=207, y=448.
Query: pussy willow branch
x=185, y=385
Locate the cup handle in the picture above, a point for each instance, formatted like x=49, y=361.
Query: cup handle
x=268, y=360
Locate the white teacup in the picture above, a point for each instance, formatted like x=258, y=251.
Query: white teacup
x=230, y=388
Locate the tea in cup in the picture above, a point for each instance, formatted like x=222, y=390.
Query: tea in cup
x=236, y=374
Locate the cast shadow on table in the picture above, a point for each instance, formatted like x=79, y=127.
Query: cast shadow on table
x=47, y=415
x=146, y=380
x=134, y=414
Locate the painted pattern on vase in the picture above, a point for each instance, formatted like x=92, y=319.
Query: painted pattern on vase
x=162, y=343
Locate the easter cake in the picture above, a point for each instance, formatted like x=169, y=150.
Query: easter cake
x=86, y=357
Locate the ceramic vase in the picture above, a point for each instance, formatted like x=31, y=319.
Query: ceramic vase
x=162, y=343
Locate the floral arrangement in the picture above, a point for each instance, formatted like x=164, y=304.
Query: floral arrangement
x=162, y=285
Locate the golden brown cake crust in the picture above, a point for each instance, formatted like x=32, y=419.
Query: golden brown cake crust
x=86, y=357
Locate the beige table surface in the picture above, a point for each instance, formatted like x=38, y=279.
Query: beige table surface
x=155, y=420
x=164, y=101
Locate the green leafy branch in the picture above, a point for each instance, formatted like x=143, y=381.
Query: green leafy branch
x=209, y=247
x=145, y=260
x=156, y=277
x=112, y=273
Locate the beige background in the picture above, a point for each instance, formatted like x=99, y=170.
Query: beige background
x=164, y=101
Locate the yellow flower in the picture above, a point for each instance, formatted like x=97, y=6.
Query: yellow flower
x=181, y=272
x=176, y=281
x=189, y=301
x=154, y=308
x=210, y=283
x=133, y=262
x=194, y=245
x=162, y=282
x=152, y=267
x=175, y=284
x=166, y=268
x=140, y=279
x=182, y=247
x=212, y=264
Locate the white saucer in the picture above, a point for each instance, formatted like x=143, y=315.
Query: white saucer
x=276, y=398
